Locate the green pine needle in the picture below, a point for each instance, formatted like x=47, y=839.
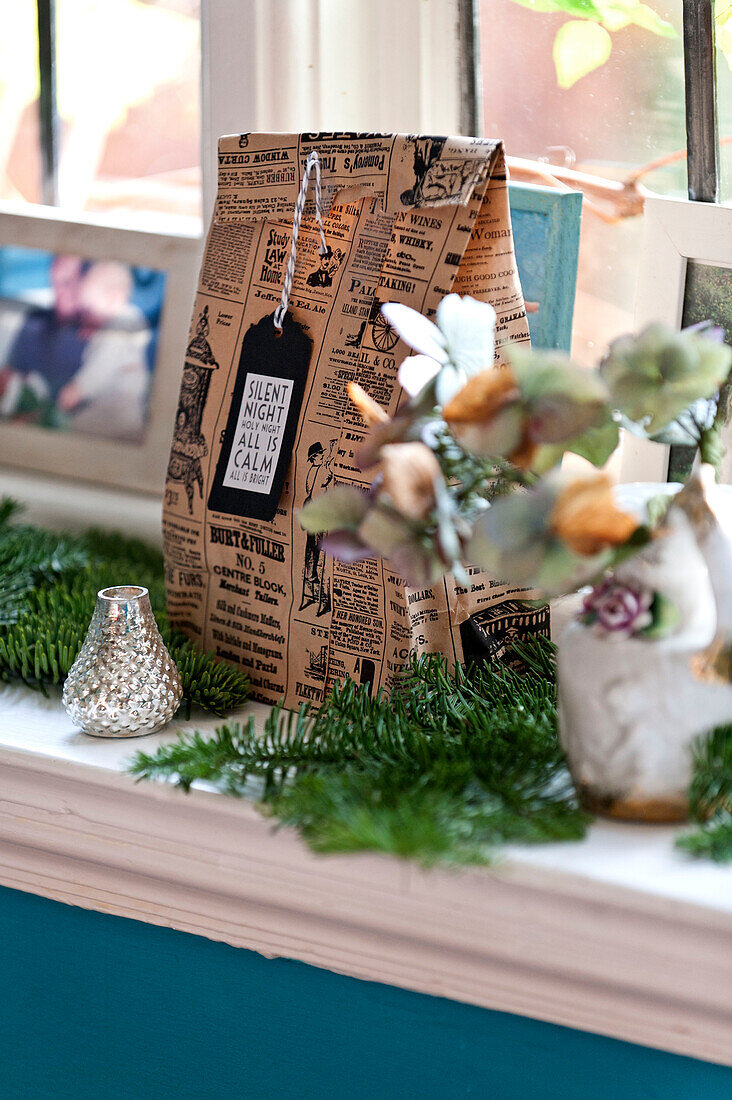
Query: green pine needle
x=710, y=798
x=713, y=840
x=48, y=588
x=451, y=766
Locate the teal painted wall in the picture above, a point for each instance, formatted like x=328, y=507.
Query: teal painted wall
x=95, y=1007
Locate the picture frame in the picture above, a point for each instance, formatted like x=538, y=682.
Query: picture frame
x=679, y=237
x=138, y=465
x=546, y=230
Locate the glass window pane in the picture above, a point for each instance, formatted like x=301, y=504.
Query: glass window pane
x=724, y=109
x=128, y=98
x=625, y=114
x=128, y=91
x=20, y=160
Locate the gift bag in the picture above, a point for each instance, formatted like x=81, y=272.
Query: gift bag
x=264, y=424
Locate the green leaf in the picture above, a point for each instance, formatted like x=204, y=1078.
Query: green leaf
x=686, y=430
x=562, y=401
x=596, y=444
x=385, y=530
x=548, y=372
x=616, y=14
x=579, y=48
x=581, y=9
x=341, y=508
x=723, y=26
x=665, y=617
x=657, y=507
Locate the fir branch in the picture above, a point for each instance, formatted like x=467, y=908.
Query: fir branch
x=710, y=798
x=110, y=546
x=449, y=767
x=9, y=508
x=48, y=588
x=207, y=683
x=711, y=787
x=713, y=840
x=30, y=557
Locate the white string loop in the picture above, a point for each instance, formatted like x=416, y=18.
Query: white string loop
x=310, y=163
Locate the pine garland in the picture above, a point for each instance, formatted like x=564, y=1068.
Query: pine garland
x=450, y=767
x=445, y=771
x=710, y=798
x=48, y=587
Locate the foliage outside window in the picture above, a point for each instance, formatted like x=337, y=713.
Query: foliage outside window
x=127, y=79
x=606, y=111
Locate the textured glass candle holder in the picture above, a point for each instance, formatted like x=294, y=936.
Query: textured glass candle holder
x=124, y=683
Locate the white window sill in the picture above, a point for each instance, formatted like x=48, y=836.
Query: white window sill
x=617, y=934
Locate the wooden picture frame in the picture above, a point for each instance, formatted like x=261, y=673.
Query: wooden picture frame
x=676, y=233
x=546, y=231
x=133, y=465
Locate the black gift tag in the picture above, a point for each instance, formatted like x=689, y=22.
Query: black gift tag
x=263, y=417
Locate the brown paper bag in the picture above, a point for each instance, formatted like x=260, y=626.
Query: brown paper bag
x=406, y=219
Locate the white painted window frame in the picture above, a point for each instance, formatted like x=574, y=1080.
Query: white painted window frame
x=291, y=65
x=294, y=65
x=674, y=232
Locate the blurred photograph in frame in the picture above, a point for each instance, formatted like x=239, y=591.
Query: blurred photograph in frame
x=93, y=327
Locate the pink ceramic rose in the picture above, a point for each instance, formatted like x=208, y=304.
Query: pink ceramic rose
x=618, y=610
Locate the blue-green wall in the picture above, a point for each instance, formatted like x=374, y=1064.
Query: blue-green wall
x=95, y=1006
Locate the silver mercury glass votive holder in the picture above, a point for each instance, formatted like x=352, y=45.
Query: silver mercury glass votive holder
x=124, y=683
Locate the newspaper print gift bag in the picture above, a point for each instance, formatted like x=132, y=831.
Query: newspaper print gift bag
x=264, y=423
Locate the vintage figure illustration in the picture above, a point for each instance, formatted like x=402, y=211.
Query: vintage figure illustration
x=189, y=445
x=315, y=585
x=328, y=264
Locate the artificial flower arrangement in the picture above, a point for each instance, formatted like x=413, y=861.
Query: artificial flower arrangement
x=472, y=431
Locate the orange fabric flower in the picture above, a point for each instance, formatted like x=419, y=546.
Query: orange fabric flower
x=482, y=397
x=486, y=417
x=586, y=518
x=410, y=472
x=369, y=409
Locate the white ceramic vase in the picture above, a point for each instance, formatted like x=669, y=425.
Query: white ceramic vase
x=630, y=708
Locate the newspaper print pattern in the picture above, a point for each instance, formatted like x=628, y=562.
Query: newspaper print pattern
x=408, y=219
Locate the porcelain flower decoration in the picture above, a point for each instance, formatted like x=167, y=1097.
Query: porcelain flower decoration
x=533, y=410
x=655, y=376
x=618, y=610
x=556, y=536
x=457, y=346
